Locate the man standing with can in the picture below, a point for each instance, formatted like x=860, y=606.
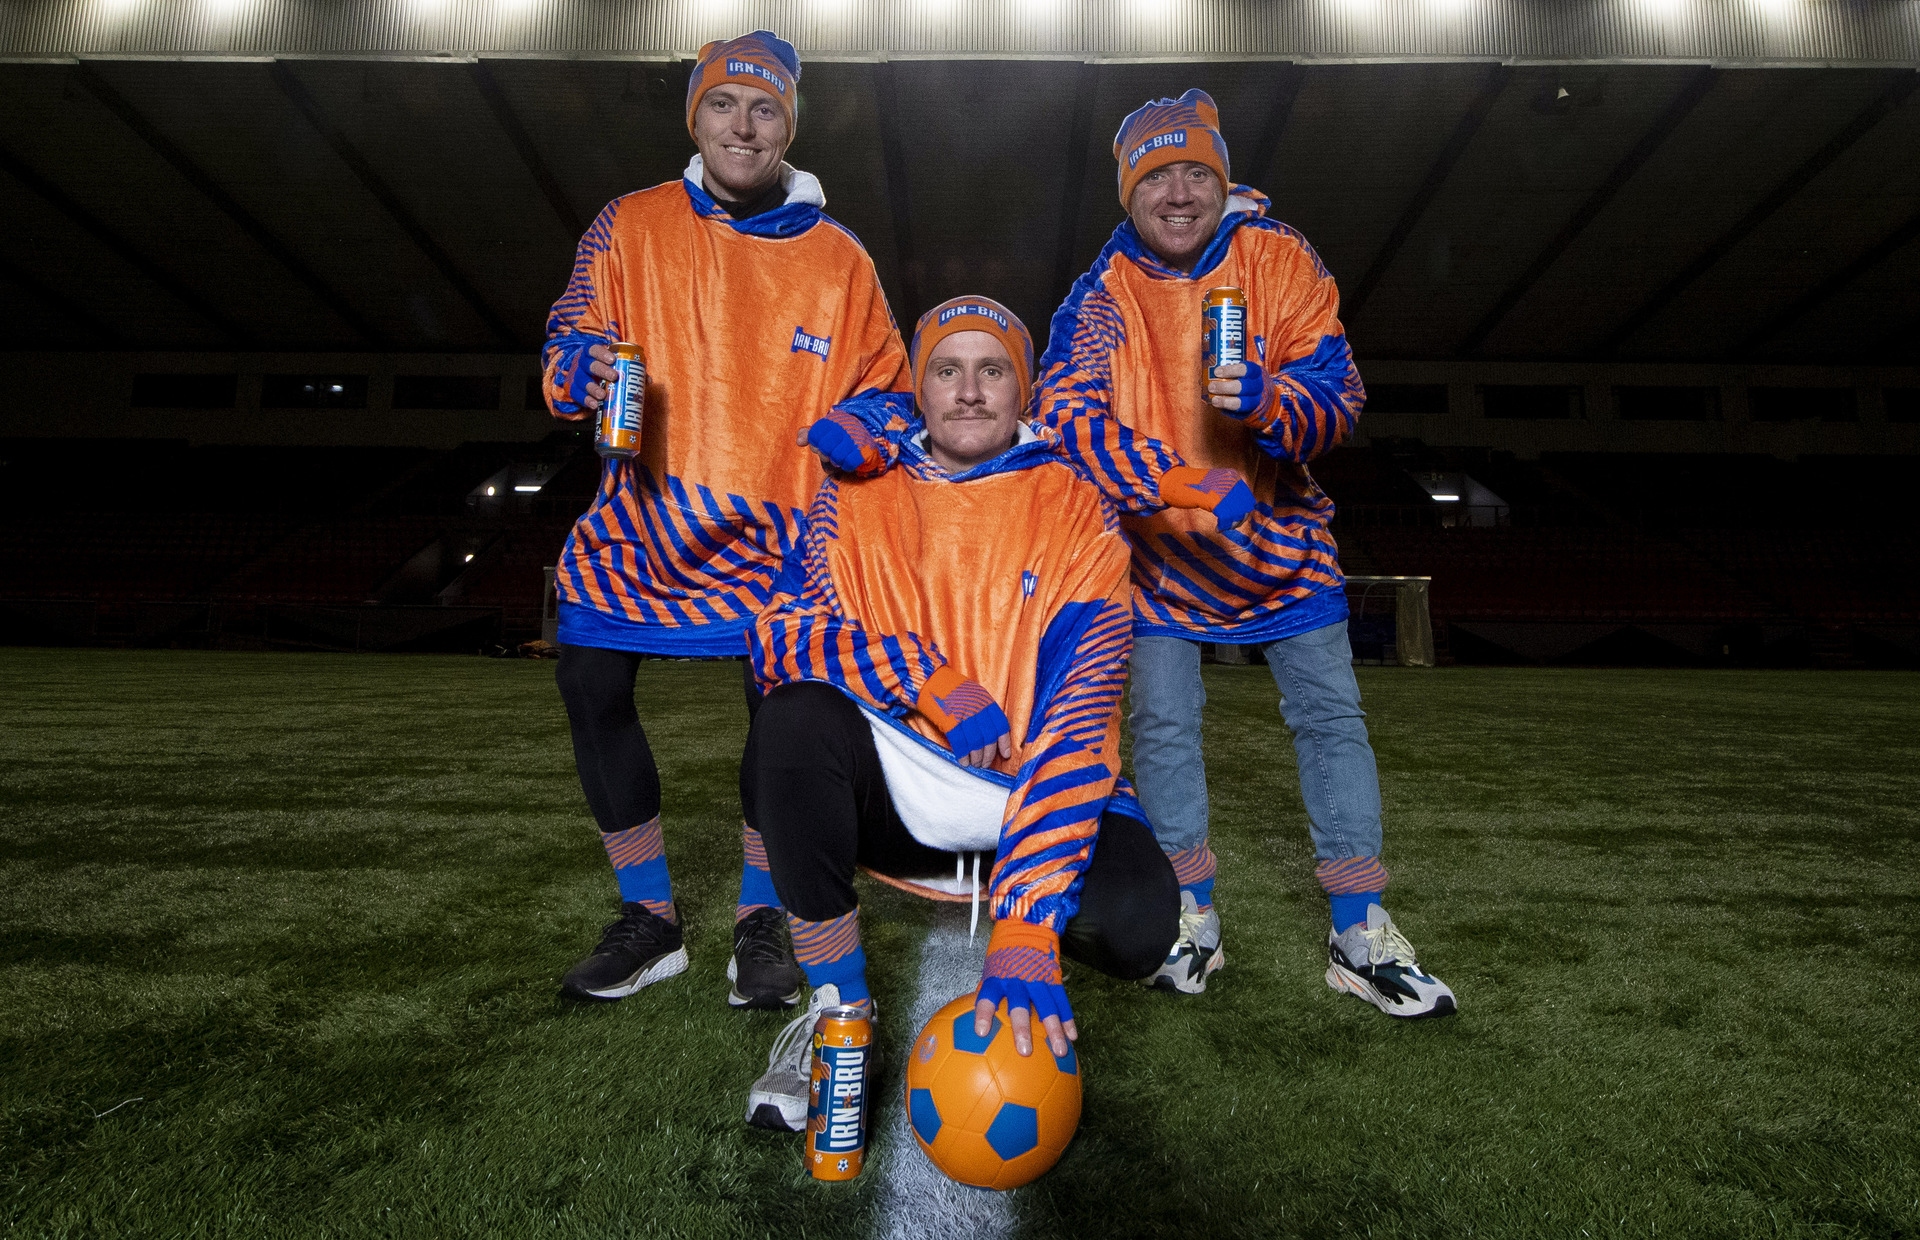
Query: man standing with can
x=753, y=314
x=1123, y=381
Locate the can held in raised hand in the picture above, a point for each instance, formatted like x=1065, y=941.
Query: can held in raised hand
x=1225, y=318
x=619, y=433
x=839, y=1094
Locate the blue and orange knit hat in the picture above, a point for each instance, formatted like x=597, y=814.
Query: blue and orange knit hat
x=1167, y=131
x=761, y=59
x=973, y=314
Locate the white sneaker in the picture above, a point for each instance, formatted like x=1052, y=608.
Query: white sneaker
x=1375, y=962
x=1196, y=953
x=778, y=1100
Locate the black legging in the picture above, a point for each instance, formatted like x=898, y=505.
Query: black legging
x=609, y=746
x=812, y=786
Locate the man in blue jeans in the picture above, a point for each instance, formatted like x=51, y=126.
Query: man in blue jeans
x=1227, y=528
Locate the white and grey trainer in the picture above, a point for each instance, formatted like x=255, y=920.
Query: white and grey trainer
x=1374, y=961
x=1195, y=954
x=778, y=1100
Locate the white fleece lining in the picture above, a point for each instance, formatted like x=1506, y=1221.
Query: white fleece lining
x=800, y=186
x=944, y=805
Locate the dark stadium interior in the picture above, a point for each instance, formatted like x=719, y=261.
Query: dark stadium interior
x=1665, y=318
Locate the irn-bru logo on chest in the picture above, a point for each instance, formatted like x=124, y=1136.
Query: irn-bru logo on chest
x=1177, y=138
x=805, y=343
x=1029, y=582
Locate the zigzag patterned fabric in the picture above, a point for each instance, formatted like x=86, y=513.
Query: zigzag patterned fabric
x=1029, y=964
x=639, y=857
x=756, y=880
x=897, y=570
x=1194, y=869
x=1128, y=421
x=829, y=953
x=1351, y=876
x=690, y=535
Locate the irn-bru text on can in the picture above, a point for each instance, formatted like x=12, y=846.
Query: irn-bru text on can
x=1225, y=316
x=837, y=1099
x=619, y=434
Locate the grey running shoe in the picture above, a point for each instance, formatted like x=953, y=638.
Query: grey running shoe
x=763, y=971
x=778, y=1100
x=1374, y=961
x=637, y=950
x=1196, y=953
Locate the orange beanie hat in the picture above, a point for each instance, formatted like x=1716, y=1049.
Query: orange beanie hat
x=761, y=59
x=1167, y=131
x=974, y=314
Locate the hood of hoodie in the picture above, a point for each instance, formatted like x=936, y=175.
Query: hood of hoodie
x=801, y=211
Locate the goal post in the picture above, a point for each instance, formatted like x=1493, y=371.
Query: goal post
x=1391, y=621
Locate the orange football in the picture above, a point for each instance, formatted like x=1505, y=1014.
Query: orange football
x=986, y=1115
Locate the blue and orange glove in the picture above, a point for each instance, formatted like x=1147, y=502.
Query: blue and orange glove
x=967, y=714
x=1252, y=389
x=845, y=442
x=1023, y=968
x=1221, y=492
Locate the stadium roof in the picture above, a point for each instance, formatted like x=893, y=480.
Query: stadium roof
x=1736, y=180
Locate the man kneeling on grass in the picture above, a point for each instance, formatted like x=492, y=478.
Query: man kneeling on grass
x=942, y=662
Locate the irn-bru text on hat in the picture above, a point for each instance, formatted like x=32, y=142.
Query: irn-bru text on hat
x=762, y=60
x=1168, y=131
x=973, y=314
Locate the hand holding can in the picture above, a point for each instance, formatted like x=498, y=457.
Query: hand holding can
x=625, y=400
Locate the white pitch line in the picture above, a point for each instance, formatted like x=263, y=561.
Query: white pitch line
x=917, y=1202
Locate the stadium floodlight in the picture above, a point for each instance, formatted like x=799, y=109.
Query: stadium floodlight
x=523, y=487
x=1446, y=499
x=467, y=559
x=489, y=490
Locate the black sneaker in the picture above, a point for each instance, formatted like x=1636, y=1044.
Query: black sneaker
x=763, y=971
x=638, y=950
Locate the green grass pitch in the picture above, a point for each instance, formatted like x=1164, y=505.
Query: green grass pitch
x=282, y=936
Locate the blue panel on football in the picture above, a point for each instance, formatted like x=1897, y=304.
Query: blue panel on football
x=1068, y=1063
x=1014, y=1131
x=924, y=1114
x=965, y=1039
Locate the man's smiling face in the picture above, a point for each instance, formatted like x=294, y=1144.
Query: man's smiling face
x=1176, y=208
x=742, y=133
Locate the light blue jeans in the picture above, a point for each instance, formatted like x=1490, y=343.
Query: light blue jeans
x=1320, y=701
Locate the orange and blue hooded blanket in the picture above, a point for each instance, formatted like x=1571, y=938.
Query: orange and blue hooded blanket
x=1122, y=381
x=750, y=330
x=1012, y=574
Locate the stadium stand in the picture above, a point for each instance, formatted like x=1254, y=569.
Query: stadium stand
x=1638, y=558
x=143, y=543
x=1588, y=557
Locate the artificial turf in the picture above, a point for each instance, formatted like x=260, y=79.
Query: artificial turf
x=282, y=936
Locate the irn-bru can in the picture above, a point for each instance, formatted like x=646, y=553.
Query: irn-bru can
x=619, y=434
x=838, y=1096
x=1225, y=315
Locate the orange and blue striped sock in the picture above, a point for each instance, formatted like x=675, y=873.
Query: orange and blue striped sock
x=639, y=856
x=831, y=954
x=1195, y=867
x=756, y=881
x=1351, y=884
